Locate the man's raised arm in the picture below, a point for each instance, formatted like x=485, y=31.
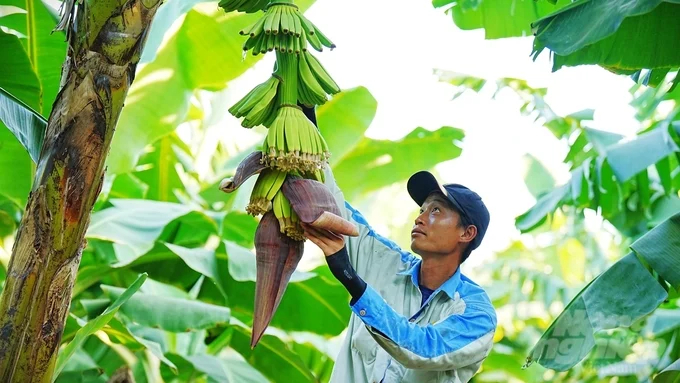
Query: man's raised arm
x=369, y=248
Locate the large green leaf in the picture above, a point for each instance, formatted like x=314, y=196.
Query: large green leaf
x=617, y=34
x=344, y=119
x=318, y=362
x=499, y=18
x=228, y=368
x=119, y=333
x=629, y=158
x=239, y=228
x=133, y=225
x=536, y=177
x=373, y=164
x=18, y=77
x=200, y=260
x=660, y=247
x=318, y=294
x=597, y=184
x=14, y=156
x=165, y=17
x=128, y=186
x=13, y=18
x=159, y=171
x=27, y=125
x=170, y=314
x=205, y=53
x=670, y=374
x=19, y=100
x=93, y=375
x=624, y=293
x=94, y=325
x=609, y=301
x=45, y=47
x=510, y=365
x=272, y=357
x=661, y=322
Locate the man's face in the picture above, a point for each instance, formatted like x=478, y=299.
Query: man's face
x=436, y=230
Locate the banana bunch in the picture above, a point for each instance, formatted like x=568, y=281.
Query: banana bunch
x=247, y=6
x=289, y=188
x=268, y=183
x=259, y=106
x=289, y=222
x=295, y=31
x=293, y=143
x=314, y=83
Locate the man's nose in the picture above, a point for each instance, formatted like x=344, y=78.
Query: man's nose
x=419, y=219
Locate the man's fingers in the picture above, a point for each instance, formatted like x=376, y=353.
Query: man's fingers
x=315, y=240
x=321, y=232
x=320, y=236
x=327, y=241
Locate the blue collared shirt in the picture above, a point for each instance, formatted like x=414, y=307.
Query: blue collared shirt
x=393, y=336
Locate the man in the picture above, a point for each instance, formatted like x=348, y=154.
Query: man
x=414, y=319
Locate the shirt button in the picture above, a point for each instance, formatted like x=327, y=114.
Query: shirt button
x=362, y=312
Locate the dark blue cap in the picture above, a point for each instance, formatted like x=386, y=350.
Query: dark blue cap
x=468, y=203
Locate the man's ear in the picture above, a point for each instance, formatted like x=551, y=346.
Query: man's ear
x=469, y=234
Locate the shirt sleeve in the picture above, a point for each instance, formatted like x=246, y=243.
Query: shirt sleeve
x=456, y=341
x=369, y=253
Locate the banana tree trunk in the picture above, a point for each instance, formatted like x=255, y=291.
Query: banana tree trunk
x=105, y=41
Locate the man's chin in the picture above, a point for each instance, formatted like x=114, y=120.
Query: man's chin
x=414, y=247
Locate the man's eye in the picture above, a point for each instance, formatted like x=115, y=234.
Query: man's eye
x=421, y=211
x=435, y=209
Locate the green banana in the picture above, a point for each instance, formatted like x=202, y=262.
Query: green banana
x=283, y=15
x=276, y=23
x=254, y=29
x=256, y=107
x=269, y=21
x=322, y=38
x=275, y=185
x=259, y=204
x=327, y=83
x=296, y=20
x=247, y=6
x=309, y=33
x=243, y=105
x=310, y=82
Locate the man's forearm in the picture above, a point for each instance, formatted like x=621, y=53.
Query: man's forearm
x=344, y=272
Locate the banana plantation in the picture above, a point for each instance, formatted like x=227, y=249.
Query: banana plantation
x=158, y=155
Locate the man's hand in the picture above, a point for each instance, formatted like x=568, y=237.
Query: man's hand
x=329, y=242
x=333, y=246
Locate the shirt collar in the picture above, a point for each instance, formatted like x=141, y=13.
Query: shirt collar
x=449, y=286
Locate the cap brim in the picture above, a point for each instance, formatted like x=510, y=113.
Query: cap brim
x=421, y=185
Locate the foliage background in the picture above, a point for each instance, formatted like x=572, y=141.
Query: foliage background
x=161, y=214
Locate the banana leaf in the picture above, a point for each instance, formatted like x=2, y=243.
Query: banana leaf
x=619, y=297
x=621, y=35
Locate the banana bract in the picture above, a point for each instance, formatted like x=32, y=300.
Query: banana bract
x=314, y=204
x=276, y=257
x=250, y=166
